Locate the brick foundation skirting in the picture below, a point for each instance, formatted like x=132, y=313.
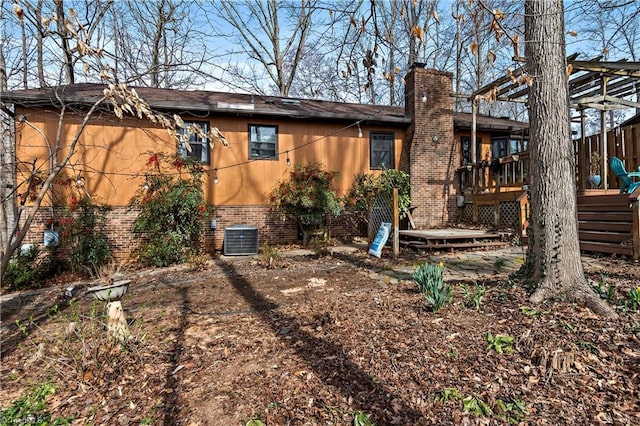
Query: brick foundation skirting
x=273, y=229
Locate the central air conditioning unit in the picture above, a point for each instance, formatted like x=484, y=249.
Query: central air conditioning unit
x=240, y=240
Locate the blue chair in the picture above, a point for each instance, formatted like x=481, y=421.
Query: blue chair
x=626, y=178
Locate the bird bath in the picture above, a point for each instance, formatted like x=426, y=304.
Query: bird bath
x=112, y=293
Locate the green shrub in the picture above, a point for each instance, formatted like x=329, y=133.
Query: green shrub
x=429, y=278
x=365, y=187
x=307, y=194
x=163, y=250
x=360, y=198
x=32, y=409
x=171, y=207
x=22, y=271
x=392, y=178
x=30, y=268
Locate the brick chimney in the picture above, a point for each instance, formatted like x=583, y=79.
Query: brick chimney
x=429, y=152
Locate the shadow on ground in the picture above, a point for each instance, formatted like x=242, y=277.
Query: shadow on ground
x=336, y=371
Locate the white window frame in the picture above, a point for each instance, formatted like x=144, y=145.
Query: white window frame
x=195, y=141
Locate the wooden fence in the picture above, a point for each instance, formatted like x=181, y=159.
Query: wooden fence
x=608, y=222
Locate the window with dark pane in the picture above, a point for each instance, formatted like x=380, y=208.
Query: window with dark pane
x=499, y=147
x=381, y=150
x=503, y=146
x=192, y=143
x=263, y=141
x=466, y=150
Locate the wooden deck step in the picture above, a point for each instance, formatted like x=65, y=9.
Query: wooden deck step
x=605, y=236
x=423, y=245
x=604, y=207
x=606, y=248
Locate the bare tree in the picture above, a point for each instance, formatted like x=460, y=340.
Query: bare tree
x=259, y=33
x=158, y=44
x=485, y=55
x=613, y=31
x=54, y=28
x=553, y=261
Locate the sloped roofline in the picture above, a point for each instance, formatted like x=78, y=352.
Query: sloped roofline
x=244, y=105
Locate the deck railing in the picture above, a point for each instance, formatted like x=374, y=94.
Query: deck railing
x=503, y=174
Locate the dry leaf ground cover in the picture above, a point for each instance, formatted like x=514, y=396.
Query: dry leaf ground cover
x=324, y=340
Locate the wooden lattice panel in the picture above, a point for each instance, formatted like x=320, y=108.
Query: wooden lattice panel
x=486, y=215
x=509, y=212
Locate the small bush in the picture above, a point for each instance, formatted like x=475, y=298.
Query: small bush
x=392, y=178
x=307, y=192
x=429, y=278
x=366, y=187
x=22, y=271
x=163, y=250
x=171, y=207
x=269, y=256
x=32, y=409
x=29, y=268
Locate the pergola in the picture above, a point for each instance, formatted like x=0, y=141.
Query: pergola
x=598, y=84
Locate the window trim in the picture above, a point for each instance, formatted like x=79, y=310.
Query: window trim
x=391, y=151
x=250, y=142
x=183, y=152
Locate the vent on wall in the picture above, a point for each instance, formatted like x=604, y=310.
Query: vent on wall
x=240, y=240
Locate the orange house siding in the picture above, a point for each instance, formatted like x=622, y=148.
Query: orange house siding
x=112, y=154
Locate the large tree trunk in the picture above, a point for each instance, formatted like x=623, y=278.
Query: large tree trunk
x=553, y=261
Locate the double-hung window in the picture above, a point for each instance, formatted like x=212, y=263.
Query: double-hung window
x=263, y=141
x=381, y=154
x=192, y=142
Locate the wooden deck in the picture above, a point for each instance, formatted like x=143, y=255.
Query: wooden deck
x=451, y=238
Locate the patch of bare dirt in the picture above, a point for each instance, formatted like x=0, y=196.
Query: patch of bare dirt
x=314, y=340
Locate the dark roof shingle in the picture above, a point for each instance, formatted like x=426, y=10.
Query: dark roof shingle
x=242, y=104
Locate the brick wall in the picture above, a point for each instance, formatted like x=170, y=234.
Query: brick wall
x=272, y=228
x=119, y=222
x=430, y=153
